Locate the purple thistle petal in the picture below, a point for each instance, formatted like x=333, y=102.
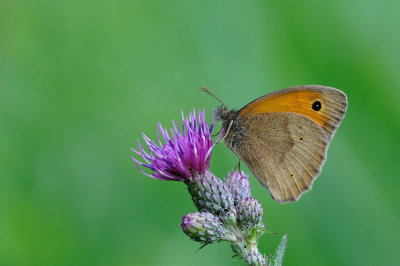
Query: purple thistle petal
x=141, y=169
x=142, y=151
x=136, y=151
x=147, y=165
x=212, y=122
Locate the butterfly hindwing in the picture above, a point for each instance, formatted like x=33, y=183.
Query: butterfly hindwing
x=285, y=152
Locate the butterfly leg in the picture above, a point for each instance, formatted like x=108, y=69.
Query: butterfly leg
x=226, y=134
x=237, y=166
x=216, y=134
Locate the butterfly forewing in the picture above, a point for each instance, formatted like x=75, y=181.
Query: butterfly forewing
x=303, y=100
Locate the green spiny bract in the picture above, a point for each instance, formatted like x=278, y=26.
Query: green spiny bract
x=211, y=195
x=203, y=227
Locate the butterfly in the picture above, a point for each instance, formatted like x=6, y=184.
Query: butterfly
x=283, y=136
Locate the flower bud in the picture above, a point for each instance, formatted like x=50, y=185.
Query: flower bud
x=203, y=227
x=212, y=195
x=238, y=184
x=250, y=212
x=254, y=258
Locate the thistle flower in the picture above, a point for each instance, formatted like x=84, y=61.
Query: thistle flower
x=226, y=209
x=185, y=153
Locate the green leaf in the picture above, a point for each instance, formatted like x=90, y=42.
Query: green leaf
x=280, y=250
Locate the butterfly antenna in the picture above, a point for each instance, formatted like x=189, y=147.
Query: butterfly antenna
x=212, y=94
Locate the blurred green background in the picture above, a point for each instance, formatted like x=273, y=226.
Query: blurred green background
x=80, y=80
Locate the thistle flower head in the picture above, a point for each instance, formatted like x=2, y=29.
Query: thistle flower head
x=185, y=153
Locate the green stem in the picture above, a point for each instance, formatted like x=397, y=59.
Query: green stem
x=246, y=246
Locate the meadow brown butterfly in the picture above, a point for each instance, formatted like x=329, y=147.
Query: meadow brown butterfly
x=283, y=136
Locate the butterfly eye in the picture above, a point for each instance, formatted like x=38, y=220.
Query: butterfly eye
x=316, y=106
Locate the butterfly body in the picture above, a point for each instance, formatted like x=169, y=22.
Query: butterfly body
x=283, y=136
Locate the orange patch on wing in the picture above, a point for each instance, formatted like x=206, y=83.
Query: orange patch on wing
x=299, y=101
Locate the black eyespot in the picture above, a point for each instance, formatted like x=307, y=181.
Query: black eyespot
x=301, y=138
x=316, y=106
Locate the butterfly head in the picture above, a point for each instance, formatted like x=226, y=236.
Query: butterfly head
x=223, y=114
x=233, y=132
